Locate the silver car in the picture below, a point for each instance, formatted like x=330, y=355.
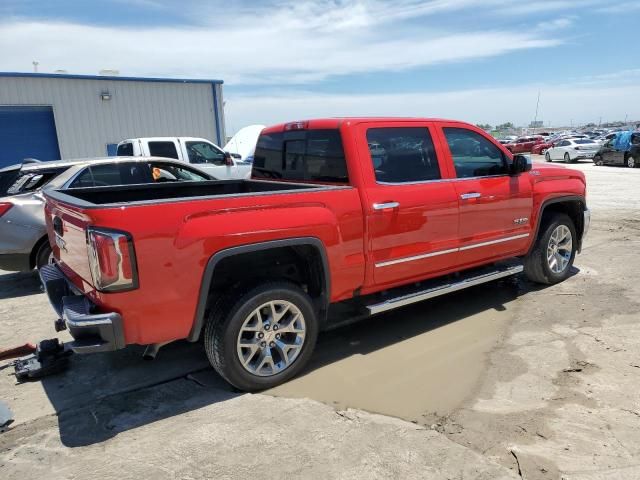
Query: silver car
x=23, y=238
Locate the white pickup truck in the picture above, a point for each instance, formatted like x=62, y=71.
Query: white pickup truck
x=197, y=151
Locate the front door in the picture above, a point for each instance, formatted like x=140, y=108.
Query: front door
x=411, y=204
x=495, y=208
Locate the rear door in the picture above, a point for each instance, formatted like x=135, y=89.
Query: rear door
x=411, y=206
x=495, y=208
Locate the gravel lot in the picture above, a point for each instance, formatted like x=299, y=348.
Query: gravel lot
x=506, y=380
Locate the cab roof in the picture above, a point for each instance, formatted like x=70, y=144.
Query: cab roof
x=337, y=122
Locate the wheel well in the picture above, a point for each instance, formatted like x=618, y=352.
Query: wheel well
x=34, y=251
x=301, y=262
x=573, y=208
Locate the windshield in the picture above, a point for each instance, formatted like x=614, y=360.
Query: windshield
x=583, y=142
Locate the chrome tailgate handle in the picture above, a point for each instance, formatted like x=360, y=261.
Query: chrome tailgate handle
x=470, y=195
x=386, y=205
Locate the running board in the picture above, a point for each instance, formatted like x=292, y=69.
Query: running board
x=471, y=279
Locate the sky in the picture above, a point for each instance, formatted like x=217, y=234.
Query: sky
x=482, y=61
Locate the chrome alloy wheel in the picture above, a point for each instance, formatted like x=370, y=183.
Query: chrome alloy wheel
x=559, y=249
x=271, y=338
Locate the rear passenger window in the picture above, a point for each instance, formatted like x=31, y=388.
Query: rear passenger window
x=403, y=154
x=163, y=149
x=302, y=155
x=473, y=155
x=113, y=174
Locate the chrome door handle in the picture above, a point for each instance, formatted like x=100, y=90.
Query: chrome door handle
x=468, y=196
x=385, y=206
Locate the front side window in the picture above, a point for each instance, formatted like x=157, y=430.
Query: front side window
x=164, y=172
x=403, y=154
x=473, y=155
x=125, y=150
x=163, y=149
x=204, y=152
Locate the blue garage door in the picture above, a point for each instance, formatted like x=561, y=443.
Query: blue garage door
x=27, y=132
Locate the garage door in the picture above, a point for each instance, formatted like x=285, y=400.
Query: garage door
x=27, y=132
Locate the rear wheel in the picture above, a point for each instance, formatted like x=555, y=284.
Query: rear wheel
x=598, y=160
x=553, y=253
x=44, y=255
x=567, y=158
x=547, y=157
x=262, y=337
x=631, y=162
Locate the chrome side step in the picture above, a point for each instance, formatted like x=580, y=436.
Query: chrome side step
x=449, y=287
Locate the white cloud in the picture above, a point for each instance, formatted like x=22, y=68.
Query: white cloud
x=559, y=104
x=299, y=42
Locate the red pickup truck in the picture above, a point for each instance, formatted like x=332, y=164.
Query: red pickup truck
x=341, y=219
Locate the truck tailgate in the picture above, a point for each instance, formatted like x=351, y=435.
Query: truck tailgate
x=66, y=227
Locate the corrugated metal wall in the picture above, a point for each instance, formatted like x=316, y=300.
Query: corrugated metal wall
x=86, y=124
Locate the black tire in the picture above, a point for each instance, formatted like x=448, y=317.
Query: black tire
x=226, y=319
x=43, y=257
x=547, y=157
x=597, y=160
x=631, y=162
x=536, y=267
x=567, y=158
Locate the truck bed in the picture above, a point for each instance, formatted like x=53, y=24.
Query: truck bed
x=173, y=191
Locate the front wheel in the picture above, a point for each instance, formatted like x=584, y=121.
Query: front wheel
x=631, y=162
x=598, y=160
x=552, y=255
x=262, y=337
x=547, y=156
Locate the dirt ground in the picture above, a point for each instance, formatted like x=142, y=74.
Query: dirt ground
x=505, y=380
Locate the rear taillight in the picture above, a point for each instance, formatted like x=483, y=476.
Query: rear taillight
x=112, y=260
x=4, y=207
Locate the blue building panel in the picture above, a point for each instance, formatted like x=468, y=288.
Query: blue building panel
x=27, y=132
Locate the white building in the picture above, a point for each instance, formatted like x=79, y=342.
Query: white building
x=52, y=116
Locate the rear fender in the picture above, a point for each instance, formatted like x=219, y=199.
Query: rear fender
x=213, y=262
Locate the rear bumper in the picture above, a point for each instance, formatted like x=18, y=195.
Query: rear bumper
x=15, y=262
x=92, y=332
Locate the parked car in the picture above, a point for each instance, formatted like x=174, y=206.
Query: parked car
x=572, y=150
x=243, y=143
x=23, y=236
x=627, y=153
x=323, y=233
x=541, y=148
x=8, y=176
x=197, y=151
x=524, y=144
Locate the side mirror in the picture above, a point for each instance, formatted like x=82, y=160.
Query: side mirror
x=237, y=156
x=228, y=159
x=520, y=164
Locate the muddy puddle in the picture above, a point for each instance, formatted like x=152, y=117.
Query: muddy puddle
x=418, y=363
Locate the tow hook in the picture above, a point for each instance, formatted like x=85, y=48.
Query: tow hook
x=60, y=325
